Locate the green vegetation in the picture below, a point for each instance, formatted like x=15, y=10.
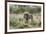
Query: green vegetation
x=18, y=22
x=24, y=8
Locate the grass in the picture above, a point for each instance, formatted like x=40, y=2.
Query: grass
x=18, y=22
